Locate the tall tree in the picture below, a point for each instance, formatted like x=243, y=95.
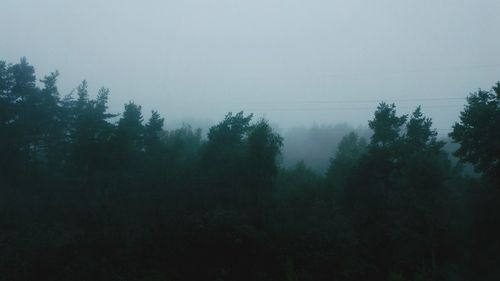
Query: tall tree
x=343, y=165
x=421, y=203
x=128, y=143
x=52, y=119
x=222, y=154
x=6, y=98
x=24, y=123
x=8, y=141
x=386, y=143
x=478, y=132
x=130, y=128
x=386, y=125
x=419, y=136
x=152, y=132
x=90, y=130
x=264, y=147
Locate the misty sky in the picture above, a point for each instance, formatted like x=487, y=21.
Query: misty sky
x=294, y=62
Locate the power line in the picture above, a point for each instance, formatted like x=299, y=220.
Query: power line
x=345, y=108
x=275, y=76
x=356, y=101
x=330, y=101
x=421, y=70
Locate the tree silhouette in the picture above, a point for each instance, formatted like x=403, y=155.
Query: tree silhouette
x=478, y=132
x=85, y=197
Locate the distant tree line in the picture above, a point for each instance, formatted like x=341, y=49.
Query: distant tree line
x=86, y=194
x=316, y=144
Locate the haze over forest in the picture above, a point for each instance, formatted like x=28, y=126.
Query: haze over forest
x=249, y=140
x=294, y=62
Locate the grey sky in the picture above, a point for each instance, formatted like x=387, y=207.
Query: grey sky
x=294, y=62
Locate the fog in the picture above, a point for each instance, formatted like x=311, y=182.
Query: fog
x=249, y=140
x=295, y=63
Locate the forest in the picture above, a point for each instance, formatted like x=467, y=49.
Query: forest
x=87, y=194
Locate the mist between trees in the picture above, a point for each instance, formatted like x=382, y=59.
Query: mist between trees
x=86, y=194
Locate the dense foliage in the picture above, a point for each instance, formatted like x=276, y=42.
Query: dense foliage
x=90, y=195
x=478, y=132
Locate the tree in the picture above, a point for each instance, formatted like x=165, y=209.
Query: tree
x=152, y=132
x=231, y=131
x=53, y=142
x=130, y=128
x=419, y=136
x=6, y=98
x=128, y=142
x=223, y=152
x=24, y=78
x=239, y=161
x=264, y=147
x=89, y=130
x=385, y=144
x=8, y=140
x=386, y=125
x=478, y=132
x=155, y=149
x=22, y=122
x=398, y=194
x=422, y=202
x=343, y=164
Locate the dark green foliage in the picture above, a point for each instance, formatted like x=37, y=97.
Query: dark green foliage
x=128, y=141
x=342, y=166
x=85, y=198
x=223, y=153
x=478, y=132
x=130, y=128
x=419, y=136
x=264, y=145
x=239, y=160
x=386, y=125
x=152, y=132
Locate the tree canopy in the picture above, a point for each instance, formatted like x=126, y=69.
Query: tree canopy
x=478, y=132
x=88, y=194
